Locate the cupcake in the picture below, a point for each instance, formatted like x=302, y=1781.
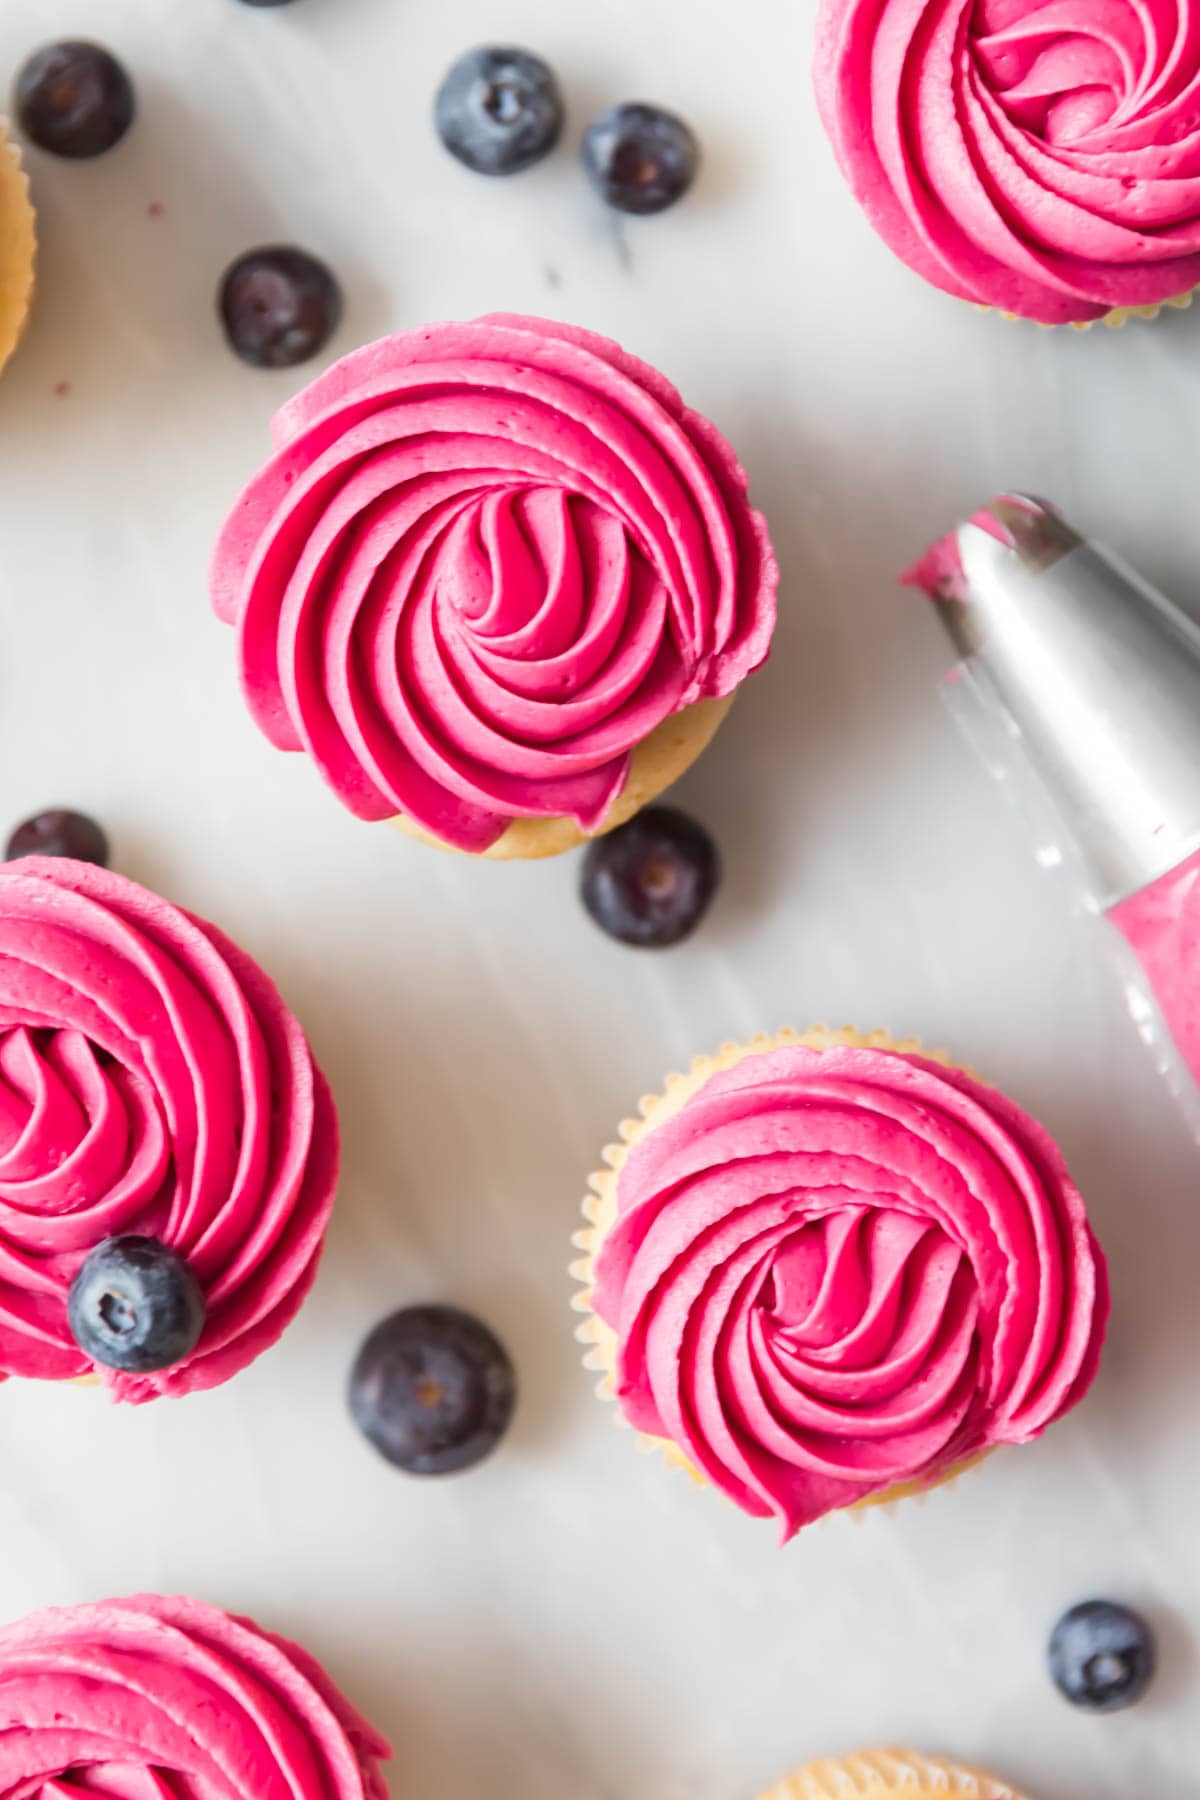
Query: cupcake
x=831, y=1269
x=498, y=582
x=888, y=1775
x=168, y=1147
x=1042, y=160
x=18, y=243
x=175, y=1699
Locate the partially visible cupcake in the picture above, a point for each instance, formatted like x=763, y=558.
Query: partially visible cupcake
x=168, y=1146
x=498, y=582
x=18, y=247
x=1043, y=160
x=831, y=1269
x=888, y=1775
x=170, y=1698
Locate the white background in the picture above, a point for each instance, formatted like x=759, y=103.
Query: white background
x=571, y=1622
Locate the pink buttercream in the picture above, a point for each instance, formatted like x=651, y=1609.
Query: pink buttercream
x=485, y=562
x=1040, y=156
x=939, y=571
x=836, y=1271
x=1162, y=925
x=152, y=1082
x=169, y=1699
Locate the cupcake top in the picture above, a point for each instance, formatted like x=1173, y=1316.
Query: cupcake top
x=1039, y=156
x=486, y=562
x=834, y=1271
x=152, y=1083
x=172, y=1698
x=888, y=1775
x=17, y=247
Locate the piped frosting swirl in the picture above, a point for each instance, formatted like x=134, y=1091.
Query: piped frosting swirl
x=486, y=561
x=168, y=1699
x=1039, y=156
x=152, y=1082
x=835, y=1271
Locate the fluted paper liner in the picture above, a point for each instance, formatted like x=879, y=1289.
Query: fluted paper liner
x=18, y=246
x=1112, y=321
x=888, y=1775
x=600, y=1213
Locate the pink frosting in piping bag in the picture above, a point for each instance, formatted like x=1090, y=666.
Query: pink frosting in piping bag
x=169, y=1699
x=152, y=1082
x=1040, y=156
x=835, y=1271
x=485, y=562
x=1161, y=923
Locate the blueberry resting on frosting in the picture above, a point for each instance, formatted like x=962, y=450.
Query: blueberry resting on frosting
x=74, y=99
x=135, y=1305
x=641, y=159
x=433, y=1389
x=499, y=110
x=279, y=306
x=164, y=1133
x=649, y=883
x=497, y=581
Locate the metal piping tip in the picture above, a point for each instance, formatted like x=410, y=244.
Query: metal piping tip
x=1098, y=672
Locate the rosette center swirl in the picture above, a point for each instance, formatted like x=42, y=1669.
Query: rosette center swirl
x=152, y=1083
x=835, y=1271
x=1037, y=156
x=487, y=562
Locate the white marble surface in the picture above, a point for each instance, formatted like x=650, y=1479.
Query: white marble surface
x=570, y=1622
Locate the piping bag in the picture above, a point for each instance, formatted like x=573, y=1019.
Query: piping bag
x=1079, y=684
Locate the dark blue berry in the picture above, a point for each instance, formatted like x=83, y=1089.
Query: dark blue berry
x=649, y=883
x=640, y=158
x=74, y=99
x=266, y=2
x=499, y=110
x=135, y=1306
x=433, y=1390
x=279, y=306
x=1102, y=1656
x=59, y=832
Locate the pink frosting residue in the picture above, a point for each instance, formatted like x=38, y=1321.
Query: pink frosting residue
x=939, y=571
x=485, y=562
x=1162, y=925
x=169, y=1699
x=152, y=1082
x=836, y=1271
x=1040, y=156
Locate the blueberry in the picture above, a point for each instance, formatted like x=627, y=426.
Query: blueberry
x=279, y=306
x=135, y=1306
x=266, y=2
x=640, y=158
x=499, y=110
x=649, y=883
x=433, y=1390
x=59, y=832
x=1102, y=1656
x=74, y=99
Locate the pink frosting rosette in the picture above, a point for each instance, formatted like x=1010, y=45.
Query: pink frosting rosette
x=152, y=1083
x=833, y=1272
x=169, y=1699
x=485, y=563
x=1039, y=156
